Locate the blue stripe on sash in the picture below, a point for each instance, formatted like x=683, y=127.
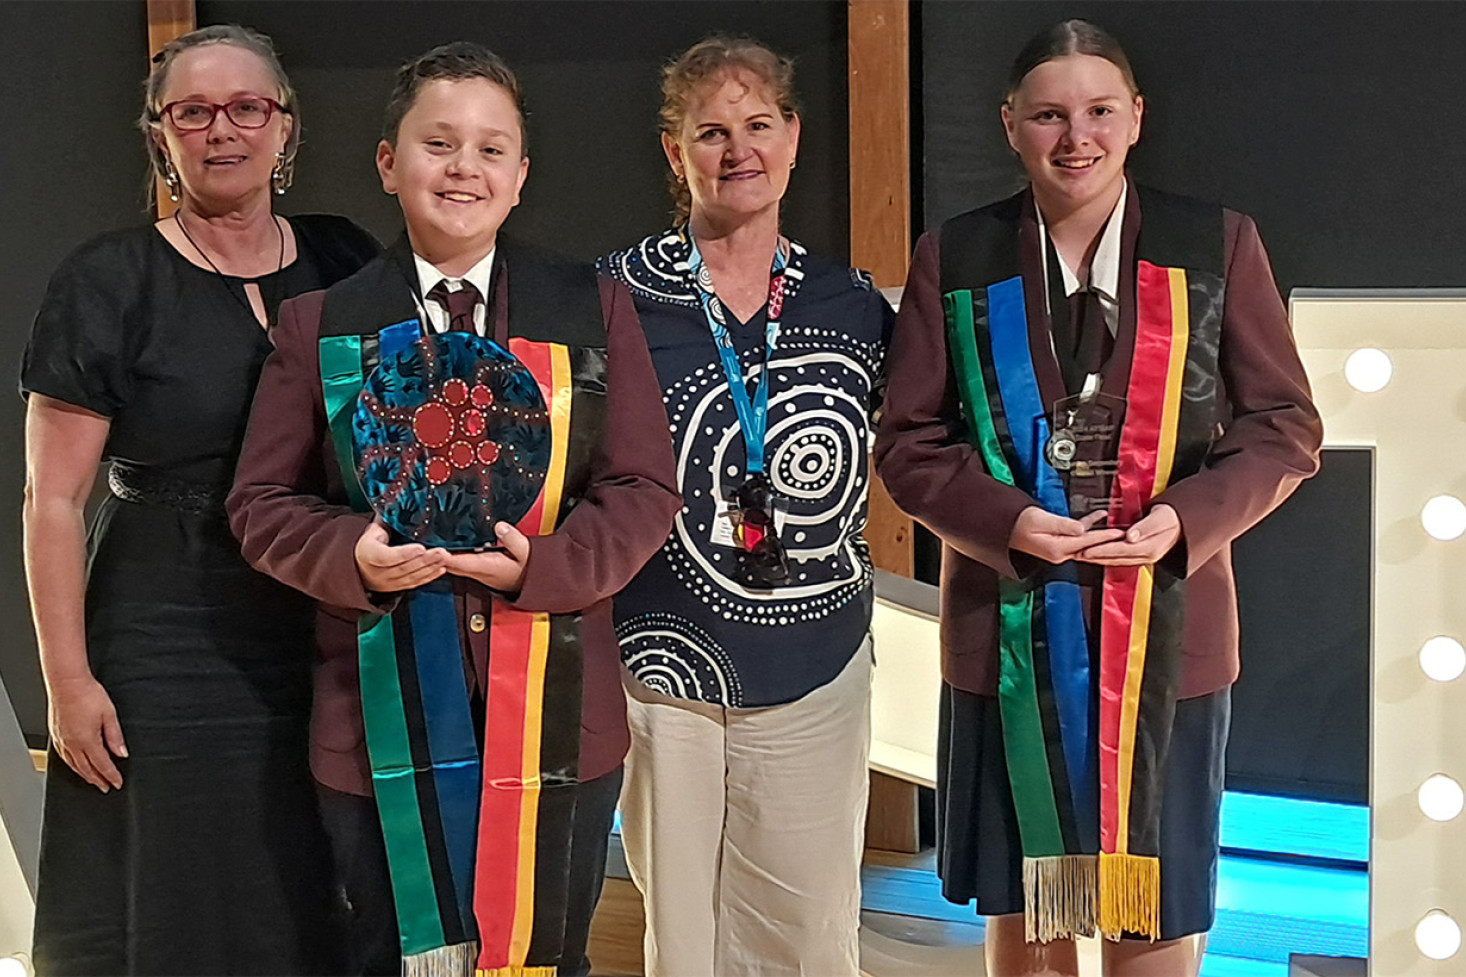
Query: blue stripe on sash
x=1027, y=417
x=1069, y=672
x=399, y=336
x=451, y=742
x=1068, y=643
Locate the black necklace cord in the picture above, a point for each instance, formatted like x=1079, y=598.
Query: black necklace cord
x=241, y=299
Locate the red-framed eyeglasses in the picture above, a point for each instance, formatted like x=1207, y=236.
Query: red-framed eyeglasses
x=247, y=112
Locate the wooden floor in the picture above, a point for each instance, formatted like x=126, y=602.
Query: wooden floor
x=616, y=931
x=891, y=945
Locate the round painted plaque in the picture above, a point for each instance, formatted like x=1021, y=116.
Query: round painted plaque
x=451, y=436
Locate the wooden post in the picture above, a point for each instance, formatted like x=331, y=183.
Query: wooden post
x=892, y=821
x=168, y=19
x=879, y=39
x=880, y=139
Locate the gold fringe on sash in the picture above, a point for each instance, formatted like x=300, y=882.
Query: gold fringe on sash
x=455, y=960
x=1058, y=897
x=517, y=972
x=1130, y=895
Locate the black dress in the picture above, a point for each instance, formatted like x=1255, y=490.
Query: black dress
x=211, y=858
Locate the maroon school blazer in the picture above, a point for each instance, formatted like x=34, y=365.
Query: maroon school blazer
x=1268, y=443
x=290, y=512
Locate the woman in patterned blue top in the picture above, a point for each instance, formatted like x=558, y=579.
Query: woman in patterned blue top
x=746, y=636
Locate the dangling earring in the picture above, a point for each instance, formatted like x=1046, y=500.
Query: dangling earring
x=280, y=175
x=681, y=177
x=170, y=180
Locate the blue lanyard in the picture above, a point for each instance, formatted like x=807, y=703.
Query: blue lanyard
x=753, y=413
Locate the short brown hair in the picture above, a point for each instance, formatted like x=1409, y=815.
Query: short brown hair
x=252, y=41
x=455, y=61
x=1066, y=38
x=705, y=61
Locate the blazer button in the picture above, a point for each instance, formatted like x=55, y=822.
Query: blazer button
x=476, y=623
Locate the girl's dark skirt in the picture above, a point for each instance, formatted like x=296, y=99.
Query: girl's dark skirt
x=979, y=857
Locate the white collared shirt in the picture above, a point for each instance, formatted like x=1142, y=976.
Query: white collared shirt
x=429, y=276
x=1104, y=267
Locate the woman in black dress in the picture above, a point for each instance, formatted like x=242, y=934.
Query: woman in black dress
x=181, y=834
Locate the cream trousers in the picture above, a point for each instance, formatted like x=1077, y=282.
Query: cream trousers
x=744, y=829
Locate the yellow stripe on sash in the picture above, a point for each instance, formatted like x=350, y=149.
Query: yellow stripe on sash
x=1130, y=701
x=1175, y=376
x=534, y=693
x=1145, y=578
x=559, y=434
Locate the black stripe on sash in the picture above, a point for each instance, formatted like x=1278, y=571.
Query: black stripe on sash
x=478, y=704
x=1161, y=681
x=1158, y=686
x=371, y=354
x=983, y=327
x=1196, y=424
x=423, y=780
x=1049, y=717
x=559, y=779
x=587, y=423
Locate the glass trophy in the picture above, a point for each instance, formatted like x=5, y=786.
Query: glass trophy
x=1084, y=448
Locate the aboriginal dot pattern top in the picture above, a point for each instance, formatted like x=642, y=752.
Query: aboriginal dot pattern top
x=688, y=628
x=450, y=436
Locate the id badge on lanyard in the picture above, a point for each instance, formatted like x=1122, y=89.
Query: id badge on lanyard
x=762, y=560
x=753, y=412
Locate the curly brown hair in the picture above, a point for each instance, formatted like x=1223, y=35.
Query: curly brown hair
x=709, y=60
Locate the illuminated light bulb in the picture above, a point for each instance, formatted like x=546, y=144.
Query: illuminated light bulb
x=1444, y=517
x=1440, y=798
x=1437, y=935
x=1368, y=369
x=1443, y=658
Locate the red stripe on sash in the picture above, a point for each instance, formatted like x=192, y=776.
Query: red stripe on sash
x=537, y=357
x=496, y=877
x=1119, y=602
x=1140, y=443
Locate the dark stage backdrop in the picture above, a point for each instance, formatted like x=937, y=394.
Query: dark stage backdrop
x=1332, y=123
x=1300, y=711
x=73, y=165
x=590, y=72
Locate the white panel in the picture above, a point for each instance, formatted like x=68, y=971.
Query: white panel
x=17, y=908
x=905, y=694
x=1417, y=426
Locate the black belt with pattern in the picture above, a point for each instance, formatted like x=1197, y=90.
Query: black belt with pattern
x=148, y=486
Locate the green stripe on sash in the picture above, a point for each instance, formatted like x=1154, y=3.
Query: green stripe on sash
x=1023, y=740
x=1023, y=735
x=341, y=381
x=396, y=790
x=962, y=340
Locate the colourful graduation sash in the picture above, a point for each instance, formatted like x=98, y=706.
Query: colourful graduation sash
x=1087, y=794
x=1044, y=685
x=478, y=842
